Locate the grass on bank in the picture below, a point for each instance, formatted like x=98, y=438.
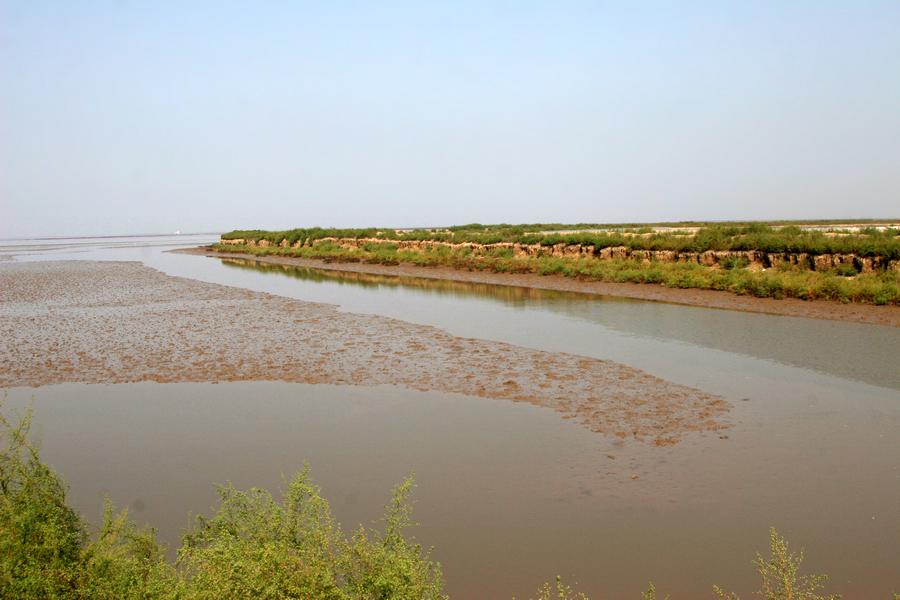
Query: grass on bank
x=785, y=281
x=253, y=547
x=790, y=236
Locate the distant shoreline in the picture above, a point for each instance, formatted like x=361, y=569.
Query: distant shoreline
x=817, y=309
x=102, y=237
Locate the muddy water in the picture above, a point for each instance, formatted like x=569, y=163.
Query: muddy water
x=511, y=494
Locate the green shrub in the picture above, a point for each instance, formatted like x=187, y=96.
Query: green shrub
x=562, y=592
x=253, y=547
x=779, y=575
x=733, y=262
x=386, y=565
x=846, y=271
x=46, y=550
x=41, y=537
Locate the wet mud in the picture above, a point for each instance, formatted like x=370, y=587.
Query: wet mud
x=116, y=322
x=816, y=309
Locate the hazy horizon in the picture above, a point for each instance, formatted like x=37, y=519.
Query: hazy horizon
x=122, y=118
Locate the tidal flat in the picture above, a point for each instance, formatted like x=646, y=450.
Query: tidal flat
x=102, y=322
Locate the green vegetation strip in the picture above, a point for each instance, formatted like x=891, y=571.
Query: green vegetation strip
x=813, y=238
x=253, y=547
x=797, y=279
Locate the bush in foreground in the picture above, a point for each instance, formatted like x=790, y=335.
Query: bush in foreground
x=253, y=547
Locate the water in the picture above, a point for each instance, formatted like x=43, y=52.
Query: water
x=511, y=495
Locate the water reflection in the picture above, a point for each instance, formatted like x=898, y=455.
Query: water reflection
x=866, y=353
x=508, y=295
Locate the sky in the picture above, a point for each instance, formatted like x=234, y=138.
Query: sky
x=120, y=117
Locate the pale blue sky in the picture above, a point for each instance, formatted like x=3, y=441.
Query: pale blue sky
x=122, y=117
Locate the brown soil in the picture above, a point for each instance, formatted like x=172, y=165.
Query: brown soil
x=816, y=309
x=112, y=322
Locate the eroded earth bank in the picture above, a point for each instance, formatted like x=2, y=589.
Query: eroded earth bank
x=113, y=322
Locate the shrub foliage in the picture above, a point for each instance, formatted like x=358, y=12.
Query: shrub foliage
x=253, y=547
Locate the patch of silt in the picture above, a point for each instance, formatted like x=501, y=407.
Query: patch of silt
x=105, y=322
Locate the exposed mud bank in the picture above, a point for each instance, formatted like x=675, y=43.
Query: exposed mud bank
x=817, y=309
x=110, y=322
x=755, y=259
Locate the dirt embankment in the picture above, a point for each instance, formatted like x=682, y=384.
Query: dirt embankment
x=112, y=322
x=817, y=309
x=755, y=259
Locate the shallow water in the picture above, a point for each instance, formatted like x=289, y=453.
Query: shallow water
x=511, y=495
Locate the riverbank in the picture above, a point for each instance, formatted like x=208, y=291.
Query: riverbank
x=816, y=309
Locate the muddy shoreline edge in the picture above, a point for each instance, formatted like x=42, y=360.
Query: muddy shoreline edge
x=815, y=309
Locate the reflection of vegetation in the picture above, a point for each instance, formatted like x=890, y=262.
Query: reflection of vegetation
x=253, y=547
x=509, y=294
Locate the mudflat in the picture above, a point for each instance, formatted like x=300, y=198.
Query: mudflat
x=112, y=322
x=816, y=309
